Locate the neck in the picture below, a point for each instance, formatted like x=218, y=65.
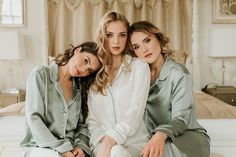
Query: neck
x=63, y=74
x=156, y=67
x=116, y=61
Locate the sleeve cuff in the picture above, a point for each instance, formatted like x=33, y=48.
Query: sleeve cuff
x=95, y=140
x=166, y=131
x=65, y=147
x=116, y=136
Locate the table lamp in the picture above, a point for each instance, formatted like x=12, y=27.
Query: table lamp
x=11, y=49
x=222, y=45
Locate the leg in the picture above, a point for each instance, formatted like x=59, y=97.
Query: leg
x=194, y=144
x=119, y=151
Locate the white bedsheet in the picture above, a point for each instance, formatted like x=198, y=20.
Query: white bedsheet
x=12, y=131
x=223, y=136
x=221, y=131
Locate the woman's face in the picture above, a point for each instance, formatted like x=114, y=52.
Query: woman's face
x=117, y=37
x=146, y=46
x=83, y=64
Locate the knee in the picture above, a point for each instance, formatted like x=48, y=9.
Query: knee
x=118, y=151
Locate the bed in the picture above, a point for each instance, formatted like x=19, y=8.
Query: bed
x=216, y=116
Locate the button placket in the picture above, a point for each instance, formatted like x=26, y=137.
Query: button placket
x=63, y=124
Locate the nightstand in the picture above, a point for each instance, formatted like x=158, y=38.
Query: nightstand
x=11, y=98
x=226, y=94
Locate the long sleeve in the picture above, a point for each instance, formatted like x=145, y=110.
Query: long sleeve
x=135, y=110
x=82, y=137
x=182, y=106
x=96, y=128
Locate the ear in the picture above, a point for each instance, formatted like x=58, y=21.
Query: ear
x=79, y=49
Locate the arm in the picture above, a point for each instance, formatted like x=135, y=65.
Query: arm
x=182, y=107
x=35, y=110
x=95, y=128
x=135, y=110
x=181, y=101
x=82, y=137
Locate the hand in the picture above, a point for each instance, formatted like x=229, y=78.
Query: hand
x=68, y=154
x=105, y=146
x=155, y=146
x=78, y=152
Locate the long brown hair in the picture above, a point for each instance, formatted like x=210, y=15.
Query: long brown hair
x=103, y=77
x=148, y=28
x=85, y=82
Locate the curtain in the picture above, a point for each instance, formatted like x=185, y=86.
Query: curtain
x=75, y=21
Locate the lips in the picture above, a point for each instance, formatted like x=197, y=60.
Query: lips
x=77, y=71
x=147, y=55
x=116, y=48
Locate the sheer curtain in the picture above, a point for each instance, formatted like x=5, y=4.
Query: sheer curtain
x=74, y=21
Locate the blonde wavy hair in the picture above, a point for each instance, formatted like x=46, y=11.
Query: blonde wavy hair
x=148, y=28
x=103, y=78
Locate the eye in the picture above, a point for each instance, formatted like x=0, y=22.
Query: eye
x=86, y=60
x=123, y=35
x=109, y=35
x=148, y=40
x=90, y=71
x=135, y=47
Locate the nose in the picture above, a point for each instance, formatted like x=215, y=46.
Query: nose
x=82, y=70
x=144, y=48
x=115, y=39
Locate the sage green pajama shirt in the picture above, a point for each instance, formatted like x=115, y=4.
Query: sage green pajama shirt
x=170, y=109
x=51, y=123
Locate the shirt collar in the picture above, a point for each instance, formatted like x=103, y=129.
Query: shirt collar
x=54, y=71
x=127, y=59
x=165, y=70
x=54, y=76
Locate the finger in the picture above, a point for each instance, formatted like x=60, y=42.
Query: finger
x=152, y=151
x=156, y=154
x=145, y=152
x=81, y=154
x=74, y=152
x=142, y=152
x=161, y=153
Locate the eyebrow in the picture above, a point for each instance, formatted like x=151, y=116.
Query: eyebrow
x=142, y=40
x=118, y=33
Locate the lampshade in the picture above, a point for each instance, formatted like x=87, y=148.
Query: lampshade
x=222, y=42
x=12, y=45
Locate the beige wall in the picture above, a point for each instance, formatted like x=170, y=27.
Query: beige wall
x=33, y=48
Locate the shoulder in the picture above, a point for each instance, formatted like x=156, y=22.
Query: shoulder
x=137, y=62
x=39, y=70
x=178, y=69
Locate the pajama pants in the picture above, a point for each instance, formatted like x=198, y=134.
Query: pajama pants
x=121, y=151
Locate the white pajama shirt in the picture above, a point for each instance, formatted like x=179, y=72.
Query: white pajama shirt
x=119, y=113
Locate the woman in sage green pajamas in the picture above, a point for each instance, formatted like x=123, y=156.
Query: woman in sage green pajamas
x=170, y=112
x=56, y=104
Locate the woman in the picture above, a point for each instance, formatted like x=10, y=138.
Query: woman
x=117, y=98
x=170, y=114
x=56, y=104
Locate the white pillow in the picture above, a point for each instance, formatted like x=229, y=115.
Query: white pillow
x=14, y=109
